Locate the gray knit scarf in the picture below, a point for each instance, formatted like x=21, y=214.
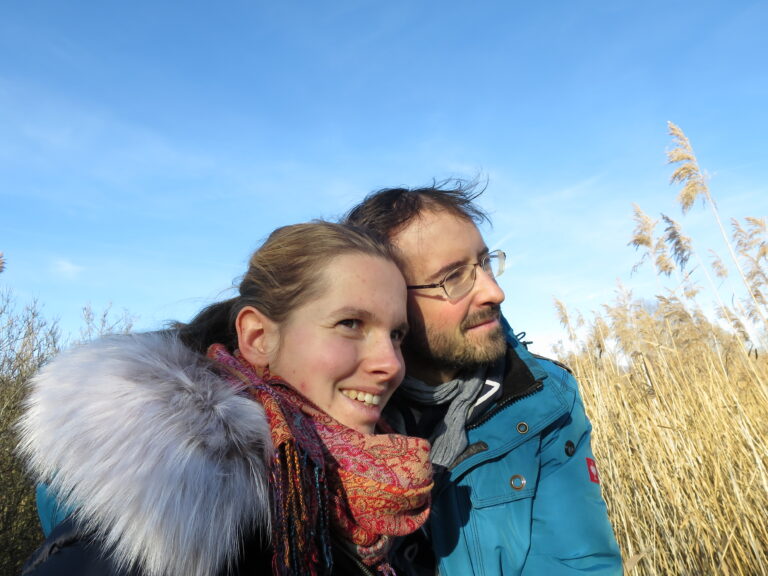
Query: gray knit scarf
x=449, y=439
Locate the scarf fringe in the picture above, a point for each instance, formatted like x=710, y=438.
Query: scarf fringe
x=329, y=479
x=301, y=514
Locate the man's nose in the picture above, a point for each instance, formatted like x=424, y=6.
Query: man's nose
x=487, y=290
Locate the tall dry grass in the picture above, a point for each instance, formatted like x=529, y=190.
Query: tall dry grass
x=27, y=341
x=679, y=398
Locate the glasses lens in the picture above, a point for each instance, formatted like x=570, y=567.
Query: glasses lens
x=460, y=281
x=493, y=264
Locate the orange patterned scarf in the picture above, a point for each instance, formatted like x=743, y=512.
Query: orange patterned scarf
x=372, y=487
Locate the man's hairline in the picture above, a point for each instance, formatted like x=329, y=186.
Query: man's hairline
x=429, y=207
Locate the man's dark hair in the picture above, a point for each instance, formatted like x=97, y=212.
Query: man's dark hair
x=388, y=210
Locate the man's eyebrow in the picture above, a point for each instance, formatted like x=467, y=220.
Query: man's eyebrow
x=443, y=271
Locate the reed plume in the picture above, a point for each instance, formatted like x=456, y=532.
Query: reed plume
x=678, y=398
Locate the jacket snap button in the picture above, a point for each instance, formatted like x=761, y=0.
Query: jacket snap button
x=522, y=427
x=517, y=482
x=570, y=448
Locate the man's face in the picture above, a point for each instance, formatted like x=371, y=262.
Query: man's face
x=448, y=335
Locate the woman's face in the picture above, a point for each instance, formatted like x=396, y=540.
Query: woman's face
x=342, y=349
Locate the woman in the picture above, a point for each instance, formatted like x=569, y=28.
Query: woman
x=242, y=442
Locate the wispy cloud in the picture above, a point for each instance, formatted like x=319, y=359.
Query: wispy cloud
x=66, y=269
x=47, y=131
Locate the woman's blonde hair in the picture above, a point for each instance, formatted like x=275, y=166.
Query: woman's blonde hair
x=283, y=274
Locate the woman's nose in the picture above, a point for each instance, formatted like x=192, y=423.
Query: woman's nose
x=385, y=358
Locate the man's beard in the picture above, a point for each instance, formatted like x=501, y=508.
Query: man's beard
x=455, y=350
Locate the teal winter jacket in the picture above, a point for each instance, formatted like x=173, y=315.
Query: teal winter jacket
x=524, y=498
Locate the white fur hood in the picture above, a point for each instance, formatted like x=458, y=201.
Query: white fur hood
x=155, y=451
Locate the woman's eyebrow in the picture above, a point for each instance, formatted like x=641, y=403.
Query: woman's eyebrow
x=356, y=312
x=366, y=315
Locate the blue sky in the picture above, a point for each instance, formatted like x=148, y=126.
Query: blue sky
x=147, y=148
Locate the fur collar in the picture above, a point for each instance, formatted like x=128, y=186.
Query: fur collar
x=157, y=453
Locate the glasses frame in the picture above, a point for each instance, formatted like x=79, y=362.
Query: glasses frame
x=500, y=254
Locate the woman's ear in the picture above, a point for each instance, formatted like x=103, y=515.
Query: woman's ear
x=255, y=336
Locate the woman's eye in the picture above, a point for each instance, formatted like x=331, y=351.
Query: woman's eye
x=351, y=323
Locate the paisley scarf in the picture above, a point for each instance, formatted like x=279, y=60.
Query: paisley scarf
x=368, y=488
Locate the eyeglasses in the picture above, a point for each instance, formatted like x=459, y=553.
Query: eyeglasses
x=461, y=280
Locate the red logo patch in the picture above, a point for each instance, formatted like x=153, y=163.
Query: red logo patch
x=592, y=467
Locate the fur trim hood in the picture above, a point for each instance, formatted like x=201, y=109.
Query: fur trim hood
x=157, y=453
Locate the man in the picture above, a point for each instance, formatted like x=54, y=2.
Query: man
x=516, y=490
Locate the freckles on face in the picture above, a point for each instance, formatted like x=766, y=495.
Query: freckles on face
x=341, y=350
x=334, y=362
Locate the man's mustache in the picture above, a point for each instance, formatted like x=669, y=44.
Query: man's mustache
x=481, y=316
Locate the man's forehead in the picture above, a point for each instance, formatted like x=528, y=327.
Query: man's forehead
x=436, y=239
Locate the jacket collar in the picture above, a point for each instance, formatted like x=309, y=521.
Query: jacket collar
x=163, y=460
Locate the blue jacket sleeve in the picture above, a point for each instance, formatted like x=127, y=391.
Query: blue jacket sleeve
x=68, y=552
x=571, y=532
x=50, y=511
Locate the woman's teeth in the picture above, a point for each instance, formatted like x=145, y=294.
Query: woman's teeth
x=365, y=397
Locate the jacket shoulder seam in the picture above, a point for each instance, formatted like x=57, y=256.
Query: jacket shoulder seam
x=555, y=362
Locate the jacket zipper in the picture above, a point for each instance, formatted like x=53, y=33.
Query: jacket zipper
x=365, y=570
x=536, y=387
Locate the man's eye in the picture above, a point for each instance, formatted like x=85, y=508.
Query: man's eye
x=398, y=335
x=458, y=276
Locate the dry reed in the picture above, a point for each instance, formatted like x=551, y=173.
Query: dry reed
x=678, y=401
